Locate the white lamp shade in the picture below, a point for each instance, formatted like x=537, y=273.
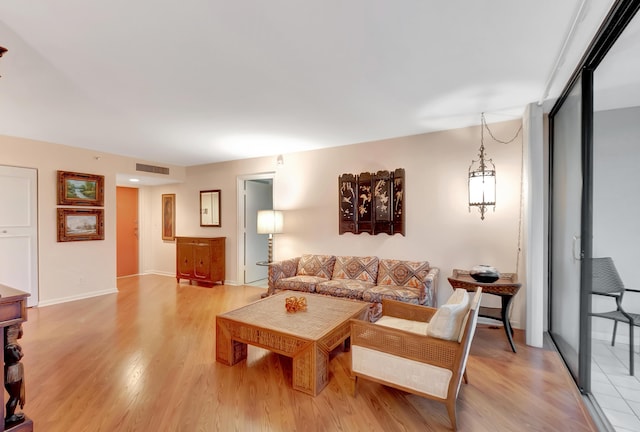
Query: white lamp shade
x=482, y=188
x=269, y=221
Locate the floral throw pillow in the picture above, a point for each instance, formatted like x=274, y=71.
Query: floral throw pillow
x=402, y=273
x=358, y=268
x=316, y=265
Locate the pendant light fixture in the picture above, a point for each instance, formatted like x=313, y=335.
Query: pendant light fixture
x=482, y=174
x=482, y=179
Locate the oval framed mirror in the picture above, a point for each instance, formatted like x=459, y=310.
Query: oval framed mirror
x=210, y=208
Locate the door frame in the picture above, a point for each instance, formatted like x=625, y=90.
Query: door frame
x=241, y=219
x=31, y=231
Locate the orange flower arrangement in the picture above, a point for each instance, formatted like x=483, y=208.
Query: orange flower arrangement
x=295, y=304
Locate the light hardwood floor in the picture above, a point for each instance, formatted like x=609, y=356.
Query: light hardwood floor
x=144, y=360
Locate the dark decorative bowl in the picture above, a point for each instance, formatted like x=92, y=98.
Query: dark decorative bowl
x=484, y=274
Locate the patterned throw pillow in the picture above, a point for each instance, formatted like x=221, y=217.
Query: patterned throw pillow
x=358, y=268
x=402, y=273
x=316, y=265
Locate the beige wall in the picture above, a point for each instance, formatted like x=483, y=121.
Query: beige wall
x=71, y=270
x=439, y=227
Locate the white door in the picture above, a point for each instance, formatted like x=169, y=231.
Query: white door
x=19, y=230
x=258, y=196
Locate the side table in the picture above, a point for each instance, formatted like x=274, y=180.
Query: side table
x=13, y=312
x=264, y=264
x=506, y=287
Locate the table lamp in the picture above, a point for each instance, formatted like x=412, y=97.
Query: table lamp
x=270, y=222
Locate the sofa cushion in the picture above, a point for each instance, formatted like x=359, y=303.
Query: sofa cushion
x=417, y=327
x=348, y=288
x=359, y=268
x=447, y=321
x=316, y=265
x=392, y=292
x=402, y=273
x=299, y=283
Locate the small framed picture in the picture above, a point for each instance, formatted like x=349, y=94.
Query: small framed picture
x=80, y=224
x=80, y=189
x=169, y=217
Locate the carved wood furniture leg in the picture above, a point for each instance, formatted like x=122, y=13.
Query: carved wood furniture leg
x=506, y=302
x=13, y=312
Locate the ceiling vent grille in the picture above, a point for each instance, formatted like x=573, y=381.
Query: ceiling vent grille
x=152, y=169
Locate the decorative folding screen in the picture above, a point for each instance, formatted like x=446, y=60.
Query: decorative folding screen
x=372, y=203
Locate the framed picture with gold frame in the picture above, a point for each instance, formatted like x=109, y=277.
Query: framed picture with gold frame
x=169, y=217
x=80, y=224
x=80, y=189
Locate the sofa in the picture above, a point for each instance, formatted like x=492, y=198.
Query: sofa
x=363, y=278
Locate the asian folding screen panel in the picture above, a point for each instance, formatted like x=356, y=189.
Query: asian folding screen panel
x=372, y=203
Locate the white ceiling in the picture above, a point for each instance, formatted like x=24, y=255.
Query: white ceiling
x=198, y=81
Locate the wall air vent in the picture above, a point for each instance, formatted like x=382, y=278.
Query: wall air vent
x=152, y=169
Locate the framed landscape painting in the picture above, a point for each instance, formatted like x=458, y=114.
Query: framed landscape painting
x=80, y=189
x=80, y=224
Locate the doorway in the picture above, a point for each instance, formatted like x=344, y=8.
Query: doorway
x=19, y=230
x=127, y=231
x=255, y=192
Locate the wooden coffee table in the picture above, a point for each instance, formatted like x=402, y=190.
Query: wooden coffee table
x=306, y=336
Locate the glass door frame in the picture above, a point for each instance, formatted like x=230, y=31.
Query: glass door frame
x=578, y=371
x=622, y=12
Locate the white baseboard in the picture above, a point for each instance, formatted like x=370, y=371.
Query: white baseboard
x=163, y=273
x=83, y=296
x=158, y=272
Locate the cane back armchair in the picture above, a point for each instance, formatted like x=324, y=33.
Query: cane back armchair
x=418, y=349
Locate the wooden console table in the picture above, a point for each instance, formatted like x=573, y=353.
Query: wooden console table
x=13, y=312
x=506, y=287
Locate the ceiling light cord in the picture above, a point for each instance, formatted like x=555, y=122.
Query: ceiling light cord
x=486, y=126
x=521, y=203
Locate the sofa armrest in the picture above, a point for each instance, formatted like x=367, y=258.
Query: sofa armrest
x=408, y=311
x=281, y=269
x=430, y=287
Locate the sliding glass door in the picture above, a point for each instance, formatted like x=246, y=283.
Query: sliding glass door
x=593, y=164
x=569, y=233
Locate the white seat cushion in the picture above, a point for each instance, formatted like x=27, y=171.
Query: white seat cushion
x=417, y=327
x=447, y=321
x=411, y=374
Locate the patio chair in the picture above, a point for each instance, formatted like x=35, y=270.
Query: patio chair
x=607, y=282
